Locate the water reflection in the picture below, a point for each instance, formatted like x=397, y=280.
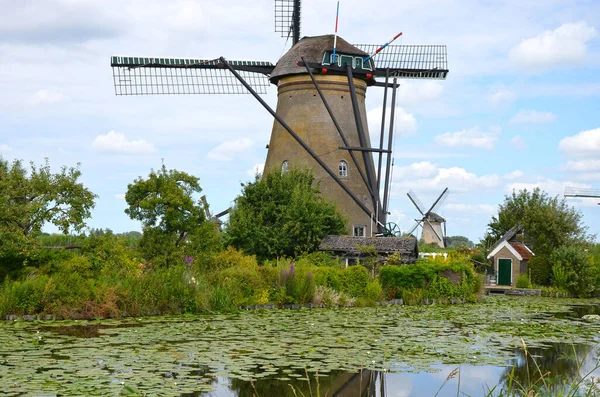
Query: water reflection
x=560, y=364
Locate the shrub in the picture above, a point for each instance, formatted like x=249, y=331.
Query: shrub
x=232, y=258
x=427, y=279
x=540, y=270
x=330, y=298
x=523, y=281
x=480, y=262
x=412, y=296
x=373, y=291
x=573, y=270
x=354, y=280
x=328, y=277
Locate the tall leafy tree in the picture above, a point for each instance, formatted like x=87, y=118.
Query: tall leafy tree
x=171, y=213
x=29, y=199
x=549, y=222
x=281, y=214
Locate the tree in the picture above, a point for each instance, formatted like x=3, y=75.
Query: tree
x=29, y=200
x=458, y=241
x=548, y=222
x=165, y=203
x=281, y=214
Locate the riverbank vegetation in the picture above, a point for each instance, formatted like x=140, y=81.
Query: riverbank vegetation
x=185, y=261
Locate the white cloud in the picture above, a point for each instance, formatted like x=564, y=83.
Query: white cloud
x=550, y=186
x=426, y=176
x=43, y=96
x=533, y=116
x=256, y=169
x=502, y=96
x=584, y=143
x=584, y=165
x=518, y=143
x=120, y=196
x=513, y=175
x=228, y=150
x=405, y=123
x=565, y=45
x=5, y=148
x=116, y=142
x=472, y=208
x=468, y=138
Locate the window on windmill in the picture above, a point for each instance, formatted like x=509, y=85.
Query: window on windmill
x=285, y=166
x=343, y=169
x=359, y=230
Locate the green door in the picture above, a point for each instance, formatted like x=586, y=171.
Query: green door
x=504, y=270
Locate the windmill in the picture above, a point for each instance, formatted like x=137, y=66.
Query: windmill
x=320, y=118
x=579, y=192
x=433, y=225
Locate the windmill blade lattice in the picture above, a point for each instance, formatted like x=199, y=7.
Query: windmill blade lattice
x=411, y=61
x=440, y=201
x=415, y=200
x=171, y=76
x=286, y=20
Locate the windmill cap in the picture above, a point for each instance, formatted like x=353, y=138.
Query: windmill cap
x=312, y=49
x=433, y=217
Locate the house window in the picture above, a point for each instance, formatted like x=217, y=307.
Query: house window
x=359, y=230
x=284, y=166
x=343, y=169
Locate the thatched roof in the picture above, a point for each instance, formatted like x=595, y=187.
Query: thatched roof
x=433, y=217
x=312, y=49
x=383, y=245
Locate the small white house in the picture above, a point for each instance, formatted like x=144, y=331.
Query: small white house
x=509, y=257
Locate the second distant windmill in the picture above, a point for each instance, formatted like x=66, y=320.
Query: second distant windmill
x=432, y=224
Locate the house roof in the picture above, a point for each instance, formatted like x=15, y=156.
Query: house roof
x=312, y=49
x=518, y=249
x=383, y=245
x=522, y=249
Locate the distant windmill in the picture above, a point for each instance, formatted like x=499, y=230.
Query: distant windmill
x=320, y=116
x=579, y=192
x=433, y=225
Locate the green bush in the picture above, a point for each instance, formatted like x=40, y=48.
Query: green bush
x=480, y=262
x=573, y=270
x=354, y=280
x=424, y=277
x=523, y=281
x=328, y=277
x=373, y=291
x=540, y=270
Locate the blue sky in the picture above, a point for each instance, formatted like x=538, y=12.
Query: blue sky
x=519, y=108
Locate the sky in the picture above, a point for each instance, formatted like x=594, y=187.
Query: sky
x=519, y=109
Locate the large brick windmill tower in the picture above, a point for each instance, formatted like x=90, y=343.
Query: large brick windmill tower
x=320, y=119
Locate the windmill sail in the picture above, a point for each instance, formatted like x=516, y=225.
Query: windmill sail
x=287, y=19
x=167, y=76
x=411, y=61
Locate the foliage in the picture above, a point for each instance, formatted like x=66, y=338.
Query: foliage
x=31, y=199
x=548, y=221
x=373, y=291
x=539, y=268
x=281, y=214
x=573, y=270
x=427, y=279
x=480, y=262
x=354, y=280
x=169, y=212
x=523, y=281
x=459, y=241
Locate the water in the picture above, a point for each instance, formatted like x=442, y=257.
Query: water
x=394, y=351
